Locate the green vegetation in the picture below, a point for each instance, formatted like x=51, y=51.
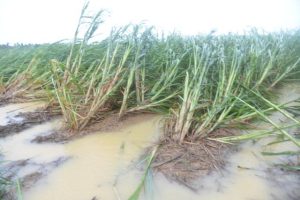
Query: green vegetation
x=146, y=177
x=200, y=83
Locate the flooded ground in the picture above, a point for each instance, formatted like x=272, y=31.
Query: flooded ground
x=106, y=165
x=98, y=163
x=8, y=113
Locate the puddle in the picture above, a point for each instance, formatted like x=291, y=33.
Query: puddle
x=103, y=165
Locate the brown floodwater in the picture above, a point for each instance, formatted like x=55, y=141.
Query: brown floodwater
x=98, y=164
x=106, y=165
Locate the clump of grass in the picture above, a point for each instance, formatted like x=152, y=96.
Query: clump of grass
x=135, y=195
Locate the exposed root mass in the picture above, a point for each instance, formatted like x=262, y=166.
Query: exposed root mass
x=188, y=161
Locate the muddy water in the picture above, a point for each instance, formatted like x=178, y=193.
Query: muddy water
x=8, y=113
x=104, y=165
x=19, y=146
x=98, y=164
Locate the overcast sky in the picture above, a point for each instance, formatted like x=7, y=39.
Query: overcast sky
x=40, y=21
